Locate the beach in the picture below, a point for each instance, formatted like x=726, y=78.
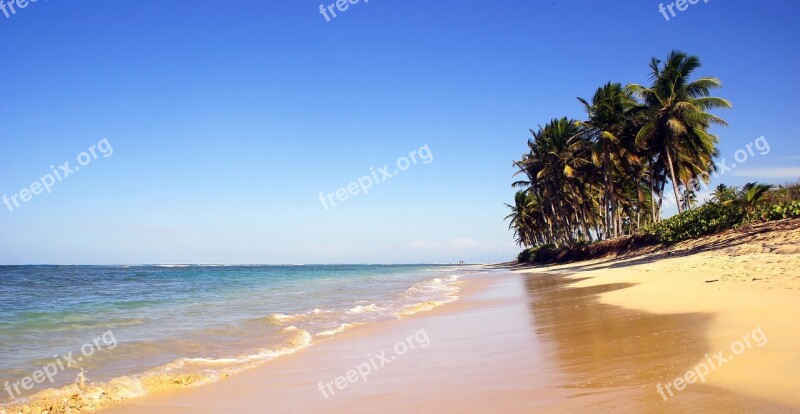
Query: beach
x=706, y=325
x=740, y=281
x=585, y=337
x=238, y=209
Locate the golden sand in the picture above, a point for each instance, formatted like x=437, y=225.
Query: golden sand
x=739, y=281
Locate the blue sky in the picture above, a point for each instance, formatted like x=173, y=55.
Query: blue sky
x=227, y=119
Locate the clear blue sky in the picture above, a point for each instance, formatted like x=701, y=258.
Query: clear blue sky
x=227, y=119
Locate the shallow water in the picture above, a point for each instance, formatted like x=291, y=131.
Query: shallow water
x=153, y=326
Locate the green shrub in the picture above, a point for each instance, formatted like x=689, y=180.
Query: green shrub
x=777, y=211
x=525, y=255
x=785, y=194
x=707, y=219
x=713, y=217
x=533, y=254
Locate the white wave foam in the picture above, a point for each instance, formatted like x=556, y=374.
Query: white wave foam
x=364, y=309
x=339, y=329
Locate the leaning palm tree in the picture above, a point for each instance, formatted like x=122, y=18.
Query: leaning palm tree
x=677, y=122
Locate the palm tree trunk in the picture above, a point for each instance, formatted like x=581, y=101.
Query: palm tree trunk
x=652, y=193
x=586, y=226
x=660, y=203
x=674, y=181
x=638, y=223
x=608, y=202
x=553, y=217
x=550, y=234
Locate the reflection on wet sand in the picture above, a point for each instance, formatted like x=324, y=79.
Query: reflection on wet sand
x=613, y=358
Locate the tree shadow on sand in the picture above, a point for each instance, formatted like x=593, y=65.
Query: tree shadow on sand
x=613, y=358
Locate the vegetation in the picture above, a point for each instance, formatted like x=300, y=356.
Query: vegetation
x=534, y=254
x=729, y=208
x=706, y=219
x=595, y=179
x=584, y=181
x=551, y=254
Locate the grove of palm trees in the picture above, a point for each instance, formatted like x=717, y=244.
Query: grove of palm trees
x=637, y=149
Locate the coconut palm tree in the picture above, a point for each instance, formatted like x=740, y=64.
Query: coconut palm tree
x=689, y=198
x=597, y=176
x=724, y=194
x=752, y=194
x=677, y=119
x=608, y=119
x=522, y=218
x=555, y=167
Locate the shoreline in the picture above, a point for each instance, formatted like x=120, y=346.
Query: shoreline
x=287, y=334
x=568, y=338
x=608, y=334
x=292, y=383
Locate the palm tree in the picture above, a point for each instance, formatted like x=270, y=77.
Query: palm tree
x=689, y=198
x=724, y=194
x=597, y=176
x=677, y=122
x=752, y=194
x=521, y=218
x=556, y=170
x=608, y=119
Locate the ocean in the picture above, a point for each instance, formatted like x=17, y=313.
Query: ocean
x=129, y=330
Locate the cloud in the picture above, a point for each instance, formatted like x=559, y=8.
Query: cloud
x=777, y=172
x=703, y=196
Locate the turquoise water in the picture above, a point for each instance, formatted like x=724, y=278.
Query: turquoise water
x=198, y=322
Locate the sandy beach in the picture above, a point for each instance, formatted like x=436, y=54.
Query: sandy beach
x=584, y=337
x=739, y=281
x=354, y=206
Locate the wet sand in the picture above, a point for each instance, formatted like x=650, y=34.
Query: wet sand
x=612, y=358
x=472, y=364
x=514, y=343
x=741, y=281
